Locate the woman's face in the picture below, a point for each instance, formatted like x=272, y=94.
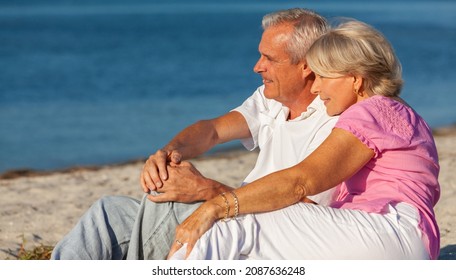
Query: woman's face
x=337, y=93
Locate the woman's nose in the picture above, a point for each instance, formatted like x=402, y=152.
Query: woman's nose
x=315, y=89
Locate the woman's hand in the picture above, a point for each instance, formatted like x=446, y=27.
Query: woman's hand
x=195, y=226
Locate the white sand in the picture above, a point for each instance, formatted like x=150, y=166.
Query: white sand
x=44, y=208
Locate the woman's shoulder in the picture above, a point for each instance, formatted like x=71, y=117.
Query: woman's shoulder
x=396, y=116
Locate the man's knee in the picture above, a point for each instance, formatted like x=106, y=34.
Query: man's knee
x=112, y=203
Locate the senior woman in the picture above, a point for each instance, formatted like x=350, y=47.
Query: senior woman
x=381, y=154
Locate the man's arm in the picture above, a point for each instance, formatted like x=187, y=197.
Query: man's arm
x=193, y=141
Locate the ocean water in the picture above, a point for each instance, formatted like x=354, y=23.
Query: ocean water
x=98, y=82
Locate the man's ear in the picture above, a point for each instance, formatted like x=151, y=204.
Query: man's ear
x=306, y=70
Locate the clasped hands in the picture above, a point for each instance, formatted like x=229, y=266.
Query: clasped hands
x=173, y=180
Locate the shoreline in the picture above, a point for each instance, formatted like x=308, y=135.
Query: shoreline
x=31, y=172
x=41, y=207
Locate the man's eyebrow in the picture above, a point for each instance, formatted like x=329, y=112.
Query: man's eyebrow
x=268, y=56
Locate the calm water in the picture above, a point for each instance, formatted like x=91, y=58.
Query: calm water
x=95, y=82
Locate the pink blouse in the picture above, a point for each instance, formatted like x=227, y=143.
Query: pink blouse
x=405, y=166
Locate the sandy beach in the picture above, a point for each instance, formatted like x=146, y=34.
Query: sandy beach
x=41, y=207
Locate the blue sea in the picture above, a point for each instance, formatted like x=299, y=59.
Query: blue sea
x=99, y=82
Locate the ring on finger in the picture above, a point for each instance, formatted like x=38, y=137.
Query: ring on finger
x=180, y=243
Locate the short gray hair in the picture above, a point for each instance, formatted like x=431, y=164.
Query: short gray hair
x=308, y=26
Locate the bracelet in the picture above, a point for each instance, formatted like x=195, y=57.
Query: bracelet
x=236, y=204
x=227, y=208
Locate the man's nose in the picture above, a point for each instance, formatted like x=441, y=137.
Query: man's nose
x=258, y=68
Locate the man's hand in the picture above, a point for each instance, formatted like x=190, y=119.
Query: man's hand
x=185, y=184
x=155, y=172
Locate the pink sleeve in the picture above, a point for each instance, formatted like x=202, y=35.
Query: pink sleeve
x=378, y=123
x=360, y=123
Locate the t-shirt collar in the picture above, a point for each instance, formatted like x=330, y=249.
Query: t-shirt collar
x=312, y=108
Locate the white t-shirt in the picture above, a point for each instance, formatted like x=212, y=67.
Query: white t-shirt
x=284, y=143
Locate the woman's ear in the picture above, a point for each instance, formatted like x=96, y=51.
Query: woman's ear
x=358, y=84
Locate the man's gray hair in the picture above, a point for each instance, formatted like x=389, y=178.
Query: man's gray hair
x=308, y=26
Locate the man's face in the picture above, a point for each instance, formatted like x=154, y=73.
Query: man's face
x=283, y=80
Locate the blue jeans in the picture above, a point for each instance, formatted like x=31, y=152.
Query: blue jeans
x=119, y=227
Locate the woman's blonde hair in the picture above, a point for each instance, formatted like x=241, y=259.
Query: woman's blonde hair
x=356, y=48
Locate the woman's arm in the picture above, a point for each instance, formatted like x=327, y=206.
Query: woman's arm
x=339, y=157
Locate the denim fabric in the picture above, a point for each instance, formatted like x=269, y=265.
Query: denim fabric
x=118, y=227
x=154, y=230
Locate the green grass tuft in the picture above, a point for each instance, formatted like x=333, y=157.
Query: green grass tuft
x=40, y=252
